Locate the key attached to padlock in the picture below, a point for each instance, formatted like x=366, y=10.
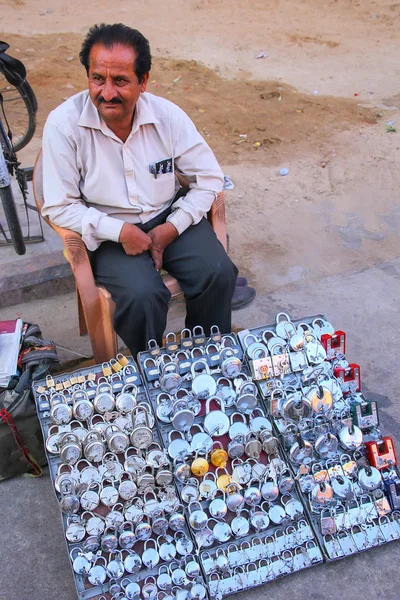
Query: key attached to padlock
x=349, y=378
x=381, y=455
x=334, y=343
x=365, y=415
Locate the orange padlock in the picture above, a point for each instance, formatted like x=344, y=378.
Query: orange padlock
x=218, y=456
x=381, y=455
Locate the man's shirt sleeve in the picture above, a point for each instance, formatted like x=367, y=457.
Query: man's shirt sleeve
x=195, y=160
x=63, y=203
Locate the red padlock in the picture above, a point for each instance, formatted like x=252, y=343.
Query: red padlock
x=334, y=343
x=349, y=378
x=381, y=455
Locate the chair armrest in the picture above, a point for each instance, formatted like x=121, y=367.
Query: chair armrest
x=216, y=216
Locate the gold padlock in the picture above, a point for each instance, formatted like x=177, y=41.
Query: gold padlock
x=59, y=386
x=218, y=456
x=116, y=366
x=199, y=466
x=123, y=361
x=91, y=376
x=105, y=367
x=224, y=479
x=49, y=381
x=81, y=378
x=74, y=379
x=67, y=384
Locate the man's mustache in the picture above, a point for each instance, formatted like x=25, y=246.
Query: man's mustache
x=112, y=101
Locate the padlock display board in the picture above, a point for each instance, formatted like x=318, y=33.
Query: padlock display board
x=217, y=464
x=345, y=469
x=241, y=502
x=110, y=488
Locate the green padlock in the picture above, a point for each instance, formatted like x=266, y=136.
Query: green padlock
x=365, y=414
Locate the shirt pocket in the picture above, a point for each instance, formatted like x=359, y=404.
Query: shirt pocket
x=162, y=189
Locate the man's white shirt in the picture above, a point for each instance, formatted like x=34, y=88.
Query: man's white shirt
x=93, y=182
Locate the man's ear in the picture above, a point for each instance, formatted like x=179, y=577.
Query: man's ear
x=143, y=85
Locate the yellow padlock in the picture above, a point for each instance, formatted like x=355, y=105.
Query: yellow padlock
x=123, y=361
x=199, y=466
x=105, y=367
x=224, y=479
x=218, y=456
x=115, y=365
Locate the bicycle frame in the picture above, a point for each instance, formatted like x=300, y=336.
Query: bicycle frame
x=4, y=175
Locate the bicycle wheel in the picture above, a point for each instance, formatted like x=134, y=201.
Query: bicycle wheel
x=7, y=199
x=20, y=107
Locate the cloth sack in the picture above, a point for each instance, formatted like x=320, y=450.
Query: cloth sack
x=21, y=440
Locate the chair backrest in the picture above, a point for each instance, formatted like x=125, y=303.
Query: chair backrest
x=38, y=182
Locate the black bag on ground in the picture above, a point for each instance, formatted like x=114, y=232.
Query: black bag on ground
x=21, y=440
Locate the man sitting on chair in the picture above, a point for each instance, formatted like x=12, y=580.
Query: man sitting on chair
x=110, y=155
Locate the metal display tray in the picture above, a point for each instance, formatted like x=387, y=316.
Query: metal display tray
x=273, y=531
x=343, y=549
x=84, y=590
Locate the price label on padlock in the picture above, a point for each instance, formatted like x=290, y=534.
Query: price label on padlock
x=261, y=368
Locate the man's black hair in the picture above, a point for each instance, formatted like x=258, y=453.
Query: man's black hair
x=112, y=35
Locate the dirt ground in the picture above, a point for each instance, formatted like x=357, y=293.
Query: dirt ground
x=317, y=104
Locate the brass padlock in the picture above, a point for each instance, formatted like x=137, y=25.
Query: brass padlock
x=199, y=466
x=218, y=456
x=223, y=479
x=115, y=365
x=49, y=381
x=107, y=371
x=123, y=361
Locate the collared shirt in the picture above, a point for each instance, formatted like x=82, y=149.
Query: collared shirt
x=93, y=182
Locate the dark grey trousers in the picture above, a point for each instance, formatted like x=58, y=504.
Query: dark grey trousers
x=196, y=259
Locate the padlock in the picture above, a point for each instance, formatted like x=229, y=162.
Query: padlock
x=218, y=455
x=280, y=360
x=334, y=343
x=186, y=340
x=381, y=455
x=151, y=369
x=213, y=355
x=229, y=341
x=66, y=384
x=365, y=415
x=349, y=378
x=199, y=466
x=123, y=361
x=215, y=334
x=115, y=365
x=183, y=361
x=171, y=343
x=199, y=337
x=106, y=369
x=49, y=381
x=261, y=368
x=327, y=522
x=392, y=487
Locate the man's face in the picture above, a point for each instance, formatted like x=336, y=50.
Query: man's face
x=113, y=85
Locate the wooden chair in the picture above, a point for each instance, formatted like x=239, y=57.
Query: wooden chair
x=95, y=305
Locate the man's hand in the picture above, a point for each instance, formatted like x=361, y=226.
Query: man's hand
x=161, y=236
x=134, y=240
